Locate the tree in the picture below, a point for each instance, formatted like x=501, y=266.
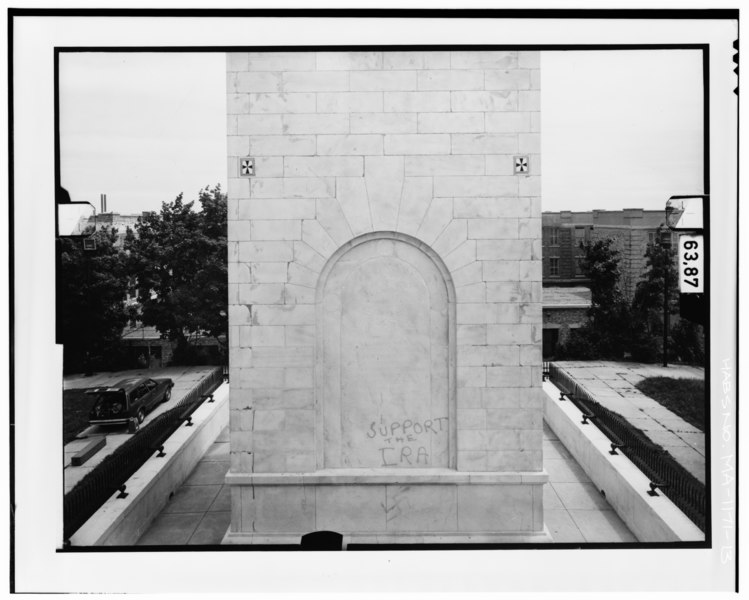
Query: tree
x=648, y=299
x=648, y=303
x=91, y=287
x=606, y=333
x=180, y=259
x=600, y=264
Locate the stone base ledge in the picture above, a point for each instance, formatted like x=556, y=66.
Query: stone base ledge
x=436, y=506
x=505, y=537
x=388, y=476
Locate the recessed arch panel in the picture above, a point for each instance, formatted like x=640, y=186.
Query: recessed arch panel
x=385, y=364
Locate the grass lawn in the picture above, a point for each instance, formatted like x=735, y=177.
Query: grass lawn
x=685, y=397
x=75, y=408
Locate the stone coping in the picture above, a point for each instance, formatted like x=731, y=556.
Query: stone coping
x=388, y=477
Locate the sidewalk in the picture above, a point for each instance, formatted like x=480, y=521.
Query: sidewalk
x=613, y=385
x=574, y=510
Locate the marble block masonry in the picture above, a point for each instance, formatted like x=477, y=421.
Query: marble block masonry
x=385, y=296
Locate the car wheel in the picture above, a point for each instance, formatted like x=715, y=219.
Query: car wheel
x=167, y=394
x=141, y=416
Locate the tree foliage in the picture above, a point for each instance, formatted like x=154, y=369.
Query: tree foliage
x=648, y=303
x=660, y=271
x=615, y=329
x=606, y=333
x=600, y=264
x=91, y=287
x=179, y=256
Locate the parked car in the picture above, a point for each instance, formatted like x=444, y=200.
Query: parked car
x=128, y=399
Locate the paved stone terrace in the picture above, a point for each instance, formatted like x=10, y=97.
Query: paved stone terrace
x=574, y=510
x=613, y=385
x=200, y=510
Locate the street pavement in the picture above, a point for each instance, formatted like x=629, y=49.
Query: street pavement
x=613, y=385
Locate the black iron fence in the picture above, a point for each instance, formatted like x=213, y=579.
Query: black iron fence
x=111, y=474
x=665, y=474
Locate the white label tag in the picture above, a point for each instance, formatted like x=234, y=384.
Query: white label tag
x=691, y=263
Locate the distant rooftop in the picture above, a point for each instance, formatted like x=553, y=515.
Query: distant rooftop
x=637, y=218
x=566, y=297
x=150, y=333
x=141, y=333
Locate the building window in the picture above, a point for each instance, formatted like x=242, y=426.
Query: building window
x=580, y=238
x=554, y=266
x=554, y=236
x=664, y=239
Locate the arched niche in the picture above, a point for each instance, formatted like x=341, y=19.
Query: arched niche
x=385, y=356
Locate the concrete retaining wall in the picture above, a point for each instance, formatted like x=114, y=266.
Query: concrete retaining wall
x=650, y=518
x=121, y=521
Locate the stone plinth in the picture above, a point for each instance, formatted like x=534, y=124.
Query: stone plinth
x=389, y=506
x=385, y=296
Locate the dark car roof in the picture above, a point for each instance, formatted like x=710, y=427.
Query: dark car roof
x=128, y=384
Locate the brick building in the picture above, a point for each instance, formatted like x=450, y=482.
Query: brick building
x=631, y=229
x=564, y=309
x=565, y=297
x=111, y=220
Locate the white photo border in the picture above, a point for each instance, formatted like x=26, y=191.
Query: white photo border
x=39, y=567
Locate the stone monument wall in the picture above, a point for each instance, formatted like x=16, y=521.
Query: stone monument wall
x=385, y=293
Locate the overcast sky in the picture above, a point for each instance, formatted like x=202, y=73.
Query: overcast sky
x=141, y=127
x=620, y=129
